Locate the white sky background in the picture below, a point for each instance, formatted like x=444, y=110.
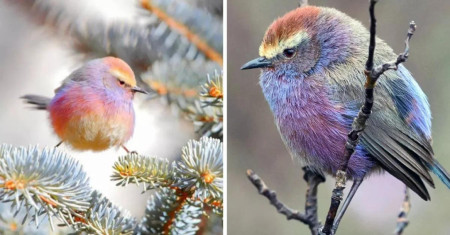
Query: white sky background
x=35, y=61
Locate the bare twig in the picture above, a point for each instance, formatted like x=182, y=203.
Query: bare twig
x=272, y=196
x=401, y=57
x=373, y=28
x=310, y=216
x=313, y=179
x=402, y=220
x=359, y=123
x=336, y=198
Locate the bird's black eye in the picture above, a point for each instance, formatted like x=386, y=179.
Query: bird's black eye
x=121, y=82
x=289, y=53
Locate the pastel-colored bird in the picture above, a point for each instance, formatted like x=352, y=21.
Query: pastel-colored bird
x=93, y=108
x=312, y=62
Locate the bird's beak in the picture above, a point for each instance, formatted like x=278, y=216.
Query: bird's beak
x=138, y=89
x=260, y=62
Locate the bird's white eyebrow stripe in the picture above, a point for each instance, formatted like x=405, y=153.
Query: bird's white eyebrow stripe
x=273, y=50
x=118, y=74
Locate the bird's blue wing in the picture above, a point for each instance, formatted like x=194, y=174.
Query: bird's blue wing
x=411, y=102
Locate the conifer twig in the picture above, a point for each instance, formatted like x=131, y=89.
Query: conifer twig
x=49, y=184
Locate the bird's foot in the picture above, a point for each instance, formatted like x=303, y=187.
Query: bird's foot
x=56, y=146
x=129, y=152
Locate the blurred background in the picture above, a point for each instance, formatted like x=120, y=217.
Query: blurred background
x=39, y=49
x=254, y=143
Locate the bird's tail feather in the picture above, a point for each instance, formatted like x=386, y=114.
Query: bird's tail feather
x=439, y=170
x=40, y=102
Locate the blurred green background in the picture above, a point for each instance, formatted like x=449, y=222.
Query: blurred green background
x=253, y=141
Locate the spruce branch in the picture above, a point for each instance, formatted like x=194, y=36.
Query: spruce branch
x=199, y=172
x=212, y=91
x=185, y=189
x=45, y=183
x=170, y=211
x=10, y=222
x=189, y=90
x=104, y=218
x=213, y=6
x=201, y=168
x=215, y=204
x=208, y=117
x=152, y=172
x=181, y=83
x=208, y=120
x=359, y=123
x=50, y=184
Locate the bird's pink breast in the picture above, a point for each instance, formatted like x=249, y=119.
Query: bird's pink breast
x=84, y=119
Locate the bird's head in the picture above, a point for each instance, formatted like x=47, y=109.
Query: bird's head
x=119, y=77
x=302, y=42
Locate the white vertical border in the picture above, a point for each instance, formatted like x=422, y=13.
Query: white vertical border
x=225, y=115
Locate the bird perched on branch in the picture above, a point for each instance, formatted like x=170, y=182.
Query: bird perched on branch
x=93, y=108
x=312, y=62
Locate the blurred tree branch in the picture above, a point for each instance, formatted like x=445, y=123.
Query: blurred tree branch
x=402, y=219
x=149, y=37
x=184, y=31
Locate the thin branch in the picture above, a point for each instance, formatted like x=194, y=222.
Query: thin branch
x=393, y=65
x=373, y=27
x=359, y=123
x=402, y=220
x=310, y=216
x=313, y=179
x=336, y=198
x=272, y=196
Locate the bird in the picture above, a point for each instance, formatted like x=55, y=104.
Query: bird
x=312, y=63
x=93, y=107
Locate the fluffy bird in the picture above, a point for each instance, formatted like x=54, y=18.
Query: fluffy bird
x=93, y=108
x=312, y=62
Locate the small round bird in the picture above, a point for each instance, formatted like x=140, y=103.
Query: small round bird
x=312, y=62
x=93, y=108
